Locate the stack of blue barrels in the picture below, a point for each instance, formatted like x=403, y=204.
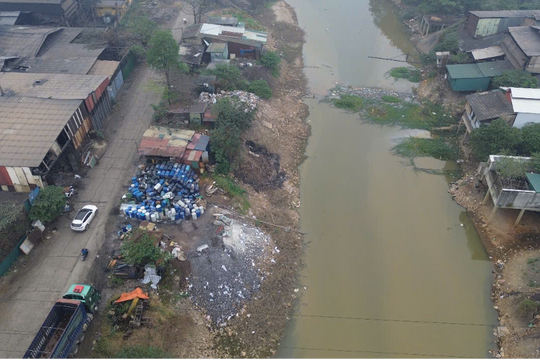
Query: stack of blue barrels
x=166, y=191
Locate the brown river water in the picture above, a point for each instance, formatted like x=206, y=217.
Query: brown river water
x=394, y=268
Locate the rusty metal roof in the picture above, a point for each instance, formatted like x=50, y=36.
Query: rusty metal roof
x=166, y=142
x=527, y=38
x=30, y=126
x=50, y=86
x=490, y=105
x=104, y=67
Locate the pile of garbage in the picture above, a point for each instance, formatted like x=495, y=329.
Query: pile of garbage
x=245, y=97
x=166, y=191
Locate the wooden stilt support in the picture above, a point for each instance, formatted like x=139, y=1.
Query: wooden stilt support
x=486, y=198
x=519, y=217
x=492, y=213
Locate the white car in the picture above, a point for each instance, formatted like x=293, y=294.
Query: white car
x=84, y=217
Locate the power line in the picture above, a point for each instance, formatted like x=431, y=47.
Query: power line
x=373, y=352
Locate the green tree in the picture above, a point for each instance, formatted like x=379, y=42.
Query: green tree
x=142, y=352
x=49, y=204
x=448, y=42
x=232, y=118
x=229, y=77
x=530, y=139
x=141, y=250
x=162, y=54
x=515, y=78
x=271, y=60
x=142, y=27
x=493, y=138
x=260, y=88
x=511, y=168
x=536, y=162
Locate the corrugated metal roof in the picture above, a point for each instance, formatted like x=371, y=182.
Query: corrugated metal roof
x=213, y=29
x=506, y=13
x=199, y=142
x=494, y=68
x=490, y=105
x=197, y=107
x=527, y=38
x=191, y=31
x=258, y=36
x=104, y=67
x=534, y=181
x=216, y=47
x=51, y=86
x=487, y=53
x=29, y=127
x=464, y=71
x=57, y=55
x=161, y=141
x=525, y=100
x=9, y=17
x=191, y=54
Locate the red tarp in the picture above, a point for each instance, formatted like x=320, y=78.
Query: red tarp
x=137, y=293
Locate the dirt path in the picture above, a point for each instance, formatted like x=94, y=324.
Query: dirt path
x=284, y=13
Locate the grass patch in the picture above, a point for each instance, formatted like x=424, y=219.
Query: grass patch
x=412, y=75
x=391, y=99
x=236, y=192
x=437, y=148
x=142, y=352
x=412, y=116
x=349, y=102
x=532, y=261
x=244, y=17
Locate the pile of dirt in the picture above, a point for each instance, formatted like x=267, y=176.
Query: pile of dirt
x=260, y=168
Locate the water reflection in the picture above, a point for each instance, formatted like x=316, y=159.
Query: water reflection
x=473, y=240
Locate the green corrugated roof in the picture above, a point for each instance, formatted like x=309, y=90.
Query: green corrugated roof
x=494, y=68
x=534, y=181
x=465, y=71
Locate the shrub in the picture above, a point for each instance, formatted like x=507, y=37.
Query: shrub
x=229, y=77
x=530, y=139
x=428, y=59
x=141, y=249
x=448, y=42
x=260, y=88
x=271, y=60
x=493, y=138
x=349, y=102
x=138, y=50
x=460, y=58
x=390, y=99
x=49, y=204
x=412, y=75
x=142, y=352
x=535, y=162
x=515, y=78
x=527, y=308
x=511, y=168
x=142, y=27
x=437, y=148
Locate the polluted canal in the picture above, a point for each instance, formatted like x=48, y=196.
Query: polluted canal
x=394, y=268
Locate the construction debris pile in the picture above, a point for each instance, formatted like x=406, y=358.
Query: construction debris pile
x=230, y=270
x=127, y=311
x=166, y=191
x=249, y=99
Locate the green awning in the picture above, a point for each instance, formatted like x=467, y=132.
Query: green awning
x=534, y=181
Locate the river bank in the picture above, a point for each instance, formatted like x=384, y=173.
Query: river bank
x=512, y=248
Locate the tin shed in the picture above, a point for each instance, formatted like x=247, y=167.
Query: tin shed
x=467, y=77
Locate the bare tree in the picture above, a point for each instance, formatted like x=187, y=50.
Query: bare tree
x=198, y=8
x=184, y=88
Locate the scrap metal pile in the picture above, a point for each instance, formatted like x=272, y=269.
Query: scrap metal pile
x=166, y=191
x=249, y=99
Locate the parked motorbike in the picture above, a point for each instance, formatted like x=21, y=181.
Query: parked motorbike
x=69, y=191
x=84, y=254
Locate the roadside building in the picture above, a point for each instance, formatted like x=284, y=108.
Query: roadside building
x=223, y=20
x=519, y=194
x=193, y=114
x=486, y=23
x=241, y=42
x=113, y=71
x=44, y=116
x=475, y=77
x=522, y=48
x=488, y=54
x=46, y=50
x=526, y=105
x=63, y=10
x=163, y=142
x=209, y=119
x=483, y=108
x=112, y=11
